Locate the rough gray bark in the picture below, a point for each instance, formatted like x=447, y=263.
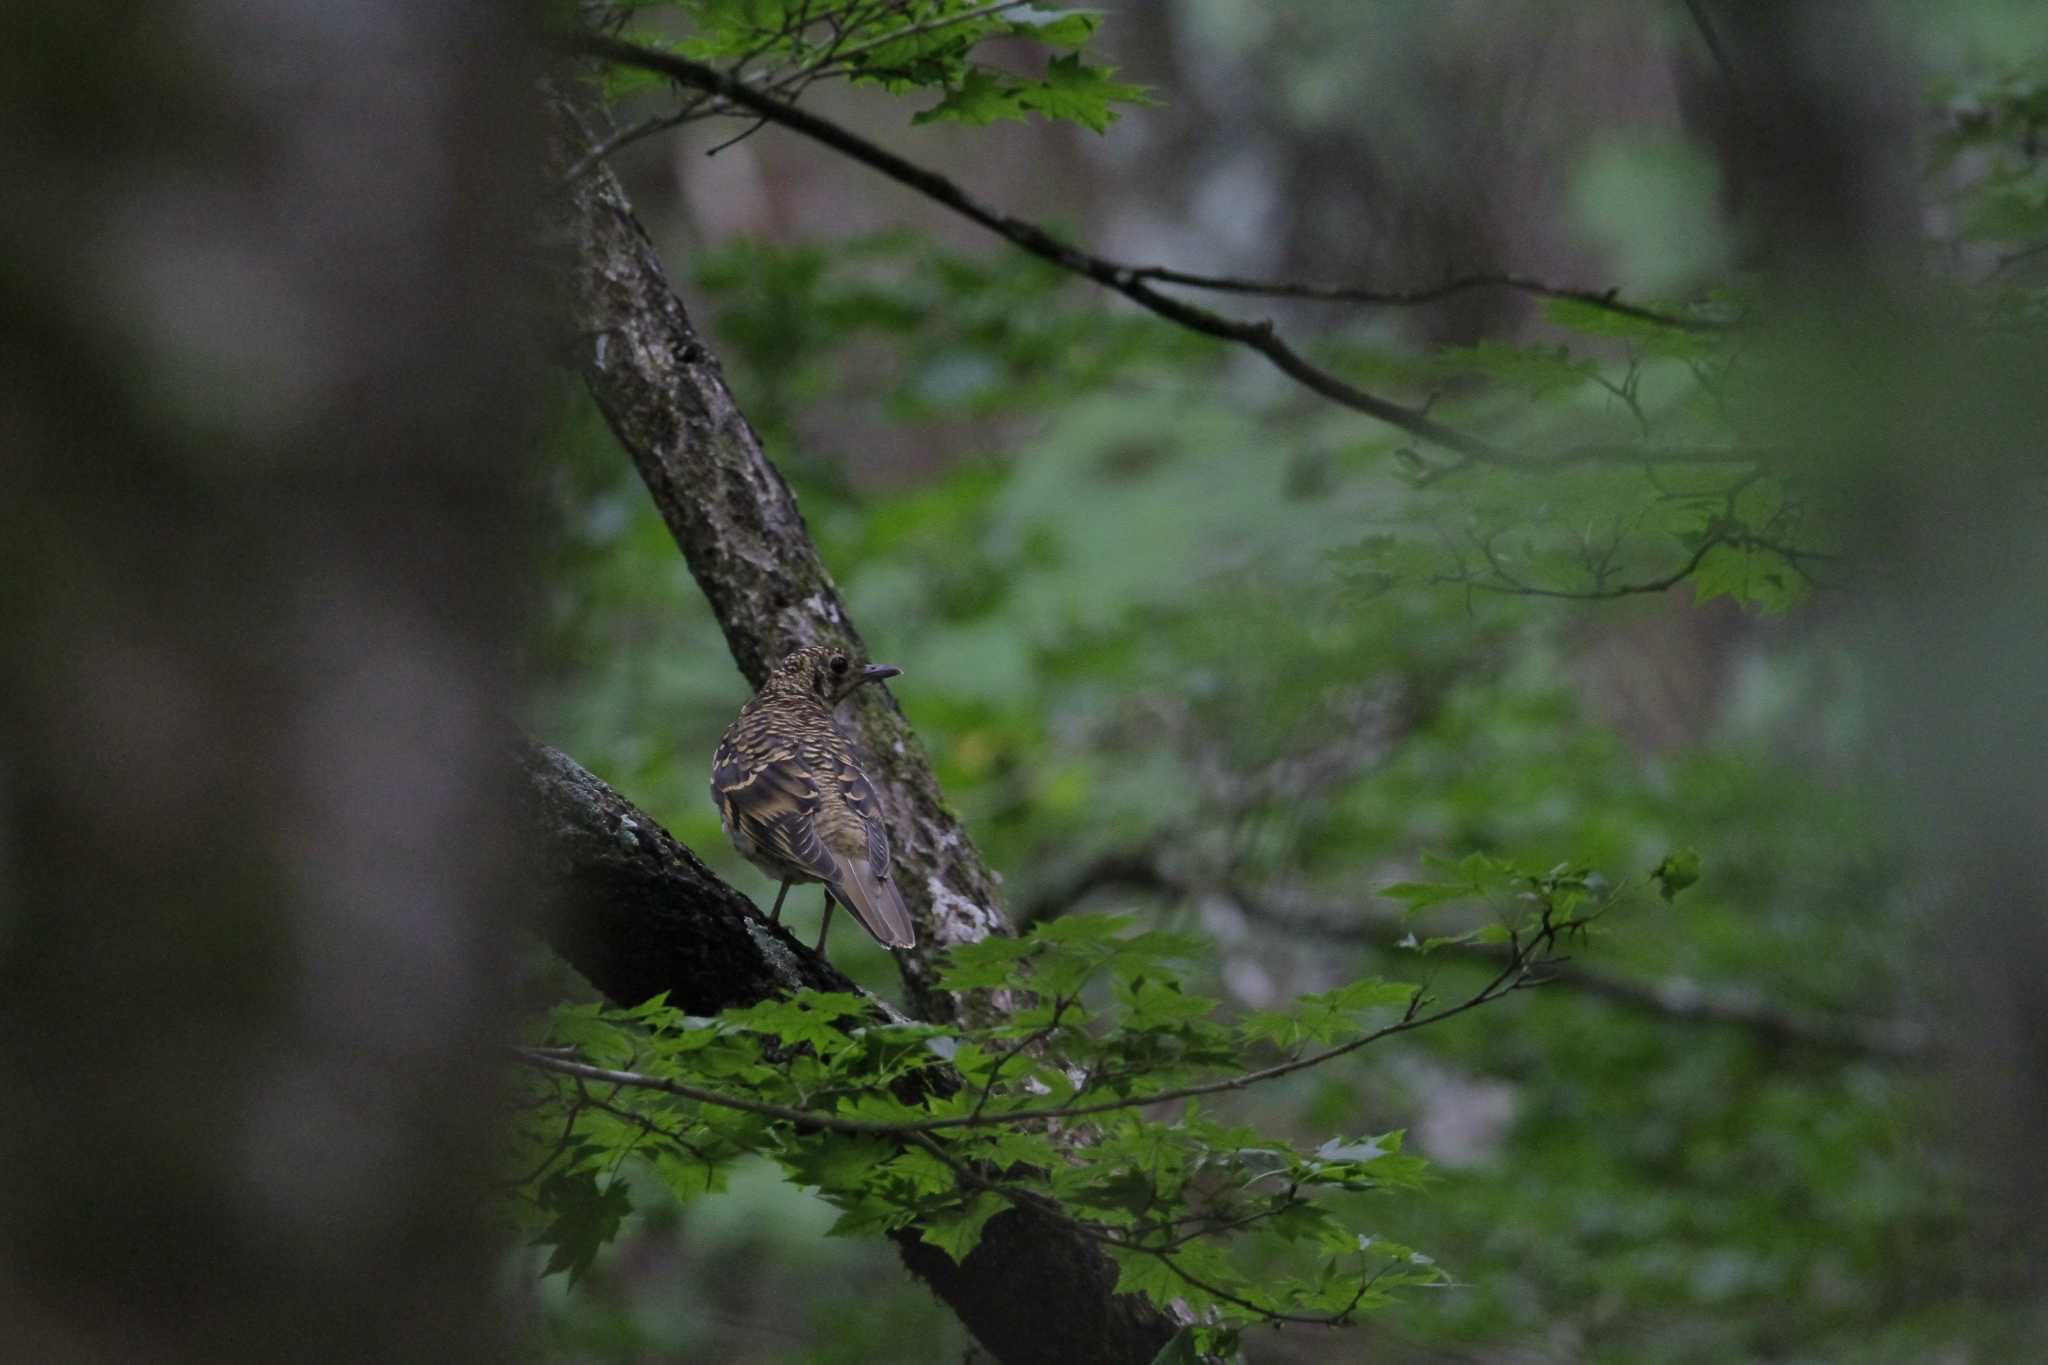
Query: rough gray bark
x=637, y=914
x=262, y=364
x=738, y=526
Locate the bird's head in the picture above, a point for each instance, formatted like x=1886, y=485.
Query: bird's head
x=824, y=673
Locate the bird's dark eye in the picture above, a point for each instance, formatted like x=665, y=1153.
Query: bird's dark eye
x=838, y=663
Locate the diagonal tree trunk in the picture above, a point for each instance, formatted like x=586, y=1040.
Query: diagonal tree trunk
x=738, y=525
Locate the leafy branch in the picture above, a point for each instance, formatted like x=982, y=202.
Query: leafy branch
x=1527, y=954
x=910, y=1126
x=1736, y=531
x=1598, y=563
x=904, y=47
x=1132, y=282
x=1680, y=999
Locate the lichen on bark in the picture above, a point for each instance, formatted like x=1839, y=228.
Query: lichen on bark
x=737, y=523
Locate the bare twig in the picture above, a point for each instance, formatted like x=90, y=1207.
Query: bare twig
x=1607, y=300
x=741, y=136
x=835, y=60
x=624, y=137
x=1509, y=585
x=1506, y=583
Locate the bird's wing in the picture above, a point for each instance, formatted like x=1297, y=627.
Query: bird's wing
x=864, y=884
x=772, y=801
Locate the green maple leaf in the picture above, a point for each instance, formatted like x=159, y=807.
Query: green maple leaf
x=958, y=1231
x=587, y=1214
x=981, y=98
x=1080, y=93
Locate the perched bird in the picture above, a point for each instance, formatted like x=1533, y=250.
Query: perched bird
x=796, y=805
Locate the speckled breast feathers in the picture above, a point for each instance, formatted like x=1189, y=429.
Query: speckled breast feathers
x=796, y=804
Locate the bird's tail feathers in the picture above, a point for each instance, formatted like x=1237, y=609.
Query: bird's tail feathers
x=875, y=902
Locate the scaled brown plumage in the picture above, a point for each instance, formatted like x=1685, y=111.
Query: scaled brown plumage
x=794, y=802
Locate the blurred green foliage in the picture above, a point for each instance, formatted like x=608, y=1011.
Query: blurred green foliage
x=1147, y=601
x=1137, y=626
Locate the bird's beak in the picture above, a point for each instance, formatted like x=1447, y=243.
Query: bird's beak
x=877, y=672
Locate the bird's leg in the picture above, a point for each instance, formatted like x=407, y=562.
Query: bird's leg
x=824, y=924
x=775, y=915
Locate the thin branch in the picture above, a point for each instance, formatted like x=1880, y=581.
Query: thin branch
x=560, y=1146
x=1509, y=585
x=1259, y=336
x=831, y=64
x=834, y=61
x=1267, y=1314
x=1680, y=999
x=645, y=1125
x=793, y=22
x=1031, y=1039
x=756, y=126
x=1521, y=961
x=1214, y=1224
x=623, y=137
x=1033, y=1203
x=1611, y=453
x=1629, y=391
x=1603, y=299
x=1676, y=998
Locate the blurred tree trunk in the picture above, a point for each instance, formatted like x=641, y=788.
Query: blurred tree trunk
x=261, y=421
x=1931, y=429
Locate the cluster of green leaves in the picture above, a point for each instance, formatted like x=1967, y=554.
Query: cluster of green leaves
x=903, y=46
x=1642, y=473
x=1114, y=622
x=1658, y=488
x=1650, y=439
x=1115, y=604
x=903, y=1125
